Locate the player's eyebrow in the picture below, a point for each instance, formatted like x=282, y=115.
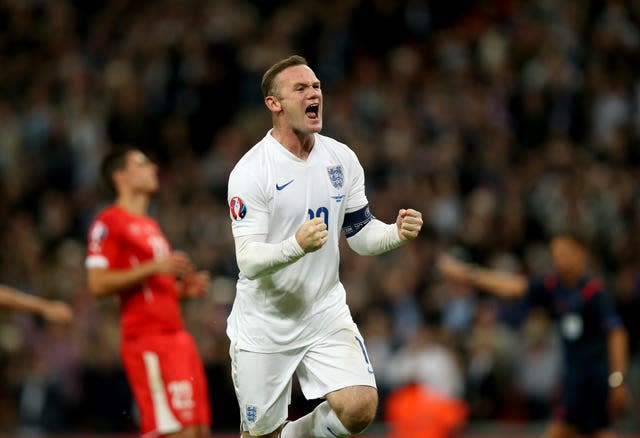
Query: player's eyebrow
x=306, y=84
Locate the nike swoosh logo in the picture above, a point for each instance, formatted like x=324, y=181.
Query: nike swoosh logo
x=283, y=185
x=332, y=432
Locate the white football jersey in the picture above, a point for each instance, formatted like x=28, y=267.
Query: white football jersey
x=273, y=192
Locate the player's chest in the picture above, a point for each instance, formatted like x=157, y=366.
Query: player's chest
x=312, y=185
x=571, y=314
x=567, y=301
x=145, y=241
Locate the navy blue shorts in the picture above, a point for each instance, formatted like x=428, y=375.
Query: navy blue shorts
x=584, y=403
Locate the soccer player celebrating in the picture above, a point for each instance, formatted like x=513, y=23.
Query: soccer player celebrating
x=289, y=197
x=594, y=340
x=128, y=255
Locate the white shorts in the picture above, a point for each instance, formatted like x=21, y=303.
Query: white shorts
x=262, y=381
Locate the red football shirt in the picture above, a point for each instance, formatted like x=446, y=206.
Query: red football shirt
x=120, y=240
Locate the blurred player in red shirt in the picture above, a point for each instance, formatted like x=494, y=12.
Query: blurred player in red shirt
x=129, y=255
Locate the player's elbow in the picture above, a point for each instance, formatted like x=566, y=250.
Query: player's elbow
x=250, y=275
x=363, y=252
x=96, y=290
x=96, y=284
x=359, y=248
x=247, y=269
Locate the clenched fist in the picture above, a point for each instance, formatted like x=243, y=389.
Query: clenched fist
x=312, y=235
x=409, y=223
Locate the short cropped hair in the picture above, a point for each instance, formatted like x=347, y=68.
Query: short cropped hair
x=577, y=233
x=115, y=160
x=270, y=75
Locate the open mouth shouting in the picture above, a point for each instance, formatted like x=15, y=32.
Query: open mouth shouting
x=312, y=111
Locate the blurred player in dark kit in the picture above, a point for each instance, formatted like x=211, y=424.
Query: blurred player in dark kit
x=593, y=337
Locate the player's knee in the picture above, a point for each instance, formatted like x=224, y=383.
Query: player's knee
x=356, y=415
x=274, y=434
x=188, y=432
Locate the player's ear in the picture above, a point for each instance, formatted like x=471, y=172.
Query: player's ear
x=117, y=177
x=273, y=104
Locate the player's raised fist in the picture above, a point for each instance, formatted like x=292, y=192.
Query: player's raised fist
x=312, y=235
x=409, y=223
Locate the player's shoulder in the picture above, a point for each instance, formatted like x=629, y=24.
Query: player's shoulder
x=336, y=147
x=111, y=217
x=549, y=282
x=591, y=287
x=253, y=160
x=110, y=213
x=105, y=223
x=332, y=143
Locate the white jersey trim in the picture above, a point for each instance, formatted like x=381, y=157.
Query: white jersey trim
x=166, y=422
x=96, y=261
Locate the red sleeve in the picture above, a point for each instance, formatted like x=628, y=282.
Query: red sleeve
x=103, y=248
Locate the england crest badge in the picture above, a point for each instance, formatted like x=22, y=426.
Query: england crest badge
x=252, y=412
x=336, y=176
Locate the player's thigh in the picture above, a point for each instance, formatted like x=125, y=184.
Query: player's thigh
x=604, y=433
x=336, y=362
x=189, y=366
x=189, y=432
x=585, y=403
x=560, y=429
x=168, y=382
x=262, y=382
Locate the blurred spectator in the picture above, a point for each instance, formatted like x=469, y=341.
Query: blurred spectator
x=491, y=349
x=427, y=401
x=500, y=120
x=428, y=361
x=539, y=365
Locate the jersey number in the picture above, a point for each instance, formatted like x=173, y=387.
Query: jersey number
x=322, y=211
x=159, y=247
x=181, y=394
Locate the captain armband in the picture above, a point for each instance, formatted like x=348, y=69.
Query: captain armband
x=356, y=220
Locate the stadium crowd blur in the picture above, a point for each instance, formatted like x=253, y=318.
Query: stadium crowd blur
x=501, y=120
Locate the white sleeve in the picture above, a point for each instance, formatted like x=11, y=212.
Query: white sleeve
x=375, y=237
x=256, y=258
x=248, y=203
x=356, y=197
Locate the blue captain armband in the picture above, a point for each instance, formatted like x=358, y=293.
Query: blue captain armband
x=356, y=220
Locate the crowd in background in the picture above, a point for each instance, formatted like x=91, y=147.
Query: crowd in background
x=502, y=121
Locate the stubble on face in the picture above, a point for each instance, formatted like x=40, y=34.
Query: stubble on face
x=298, y=90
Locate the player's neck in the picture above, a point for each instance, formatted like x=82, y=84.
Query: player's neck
x=298, y=144
x=570, y=279
x=133, y=203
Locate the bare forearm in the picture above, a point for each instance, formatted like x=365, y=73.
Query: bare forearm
x=618, y=350
x=502, y=284
x=17, y=300
x=104, y=282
